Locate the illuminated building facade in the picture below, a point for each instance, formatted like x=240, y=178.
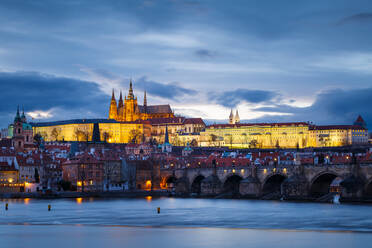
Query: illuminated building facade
x=280, y=135
x=82, y=130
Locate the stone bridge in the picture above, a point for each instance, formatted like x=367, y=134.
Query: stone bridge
x=294, y=181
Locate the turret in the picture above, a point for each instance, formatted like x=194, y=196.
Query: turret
x=113, y=112
x=237, y=118
x=231, y=117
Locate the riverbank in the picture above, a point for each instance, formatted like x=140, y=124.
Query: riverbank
x=163, y=193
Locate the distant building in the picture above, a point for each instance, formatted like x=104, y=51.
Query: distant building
x=21, y=133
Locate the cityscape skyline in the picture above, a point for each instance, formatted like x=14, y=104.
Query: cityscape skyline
x=303, y=63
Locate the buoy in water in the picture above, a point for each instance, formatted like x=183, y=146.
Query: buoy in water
x=158, y=210
x=49, y=207
x=6, y=206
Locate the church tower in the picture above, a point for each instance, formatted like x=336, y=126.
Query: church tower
x=120, y=108
x=237, y=118
x=113, y=112
x=131, y=106
x=231, y=118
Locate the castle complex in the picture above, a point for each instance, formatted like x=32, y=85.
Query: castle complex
x=129, y=122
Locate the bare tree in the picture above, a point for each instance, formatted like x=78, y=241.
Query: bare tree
x=55, y=133
x=134, y=136
x=106, y=136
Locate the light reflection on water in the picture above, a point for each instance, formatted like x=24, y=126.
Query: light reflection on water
x=179, y=212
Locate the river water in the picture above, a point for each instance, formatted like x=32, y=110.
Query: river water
x=182, y=223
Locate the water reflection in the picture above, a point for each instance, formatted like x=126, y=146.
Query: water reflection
x=190, y=213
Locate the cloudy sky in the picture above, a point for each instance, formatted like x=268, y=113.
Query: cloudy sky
x=273, y=60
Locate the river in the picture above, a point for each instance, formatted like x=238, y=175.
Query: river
x=98, y=222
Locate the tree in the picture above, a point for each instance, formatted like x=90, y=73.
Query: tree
x=78, y=134
x=134, y=134
x=86, y=134
x=194, y=143
x=38, y=139
x=55, y=133
x=253, y=144
x=106, y=136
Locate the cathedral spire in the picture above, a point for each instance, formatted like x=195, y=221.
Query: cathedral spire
x=130, y=95
x=113, y=95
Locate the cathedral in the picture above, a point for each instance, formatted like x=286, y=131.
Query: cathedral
x=129, y=110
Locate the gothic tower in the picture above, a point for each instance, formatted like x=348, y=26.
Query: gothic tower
x=113, y=112
x=131, y=106
x=231, y=117
x=18, y=139
x=120, y=108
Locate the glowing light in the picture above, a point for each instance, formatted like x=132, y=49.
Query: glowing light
x=79, y=183
x=233, y=171
x=242, y=171
x=26, y=201
x=91, y=182
x=79, y=200
x=274, y=169
x=265, y=171
x=285, y=170
x=149, y=198
x=148, y=184
x=10, y=180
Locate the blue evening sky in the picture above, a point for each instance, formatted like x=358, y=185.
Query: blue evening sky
x=275, y=61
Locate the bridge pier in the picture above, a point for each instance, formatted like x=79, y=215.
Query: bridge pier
x=250, y=187
x=211, y=186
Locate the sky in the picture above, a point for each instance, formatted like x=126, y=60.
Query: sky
x=274, y=61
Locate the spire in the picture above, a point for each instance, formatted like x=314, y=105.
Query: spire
x=130, y=95
x=18, y=117
x=113, y=95
x=23, y=117
x=113, y=107
x=237, y=118
x=145, y=99
x=166, y=138
x=231, y=117
x=120, y=107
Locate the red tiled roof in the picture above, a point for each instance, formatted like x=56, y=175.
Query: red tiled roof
x=194, y=121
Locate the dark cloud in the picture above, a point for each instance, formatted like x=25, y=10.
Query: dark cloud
x=170, y=91
x=336, y=106
x=233, y=98
x=36, y=91
x=361, y=17
x=205, y=53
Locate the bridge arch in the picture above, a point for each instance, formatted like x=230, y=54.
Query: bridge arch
x=170, y=182
x=232, y=184
x=196, y=184
x=320, y=184
x=273, y=183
